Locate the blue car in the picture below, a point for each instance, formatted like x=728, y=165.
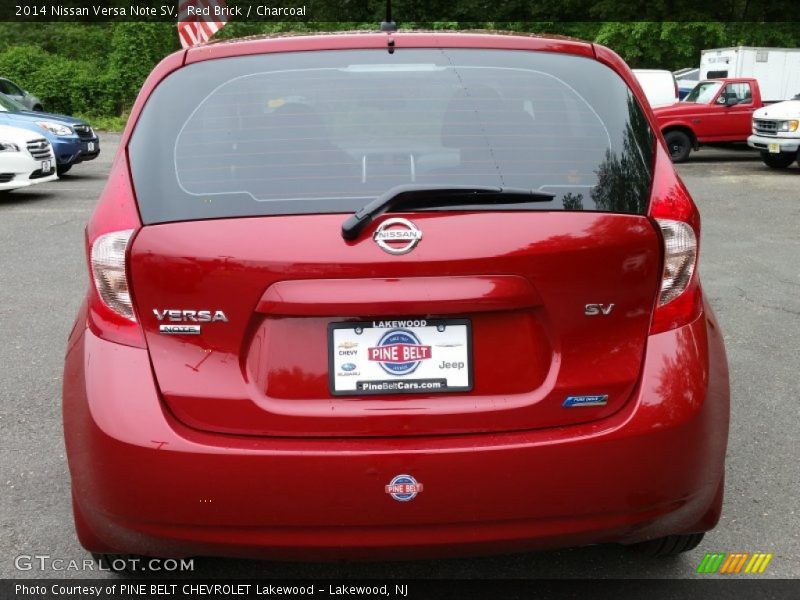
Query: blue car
x=73, y=140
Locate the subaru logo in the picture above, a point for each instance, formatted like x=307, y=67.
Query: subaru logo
x=348, y=367
x=397, y=236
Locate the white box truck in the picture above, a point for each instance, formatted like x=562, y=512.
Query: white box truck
x=777, y=70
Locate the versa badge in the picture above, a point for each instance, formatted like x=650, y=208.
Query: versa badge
x=182, y=321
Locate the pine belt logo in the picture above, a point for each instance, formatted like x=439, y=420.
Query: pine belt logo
x=403, y=488
x=734, y=563
x=399, y=352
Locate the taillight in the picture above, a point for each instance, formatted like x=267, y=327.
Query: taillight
x=111, y=229
x=109, y=271
x=680, y=298
x=680, y=257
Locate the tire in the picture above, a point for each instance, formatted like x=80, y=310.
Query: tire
x=61, y=169
x=671, y=545
x=777, y=161
x=679, y=145
x=38, y=108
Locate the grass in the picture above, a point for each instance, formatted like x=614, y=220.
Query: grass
x=104, y=122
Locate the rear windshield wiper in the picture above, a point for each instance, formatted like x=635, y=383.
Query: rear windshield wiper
x=435, y=195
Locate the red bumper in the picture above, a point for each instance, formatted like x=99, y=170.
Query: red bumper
x=145, y=484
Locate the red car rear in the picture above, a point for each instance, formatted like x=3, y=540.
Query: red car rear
x=393, y=295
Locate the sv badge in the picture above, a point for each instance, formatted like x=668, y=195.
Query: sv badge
x=593, y=310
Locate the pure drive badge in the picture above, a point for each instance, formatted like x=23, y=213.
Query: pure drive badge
x=576, y=401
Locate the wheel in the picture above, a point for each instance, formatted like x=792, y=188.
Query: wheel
x=679, y=145
x=38, y=108
x=671, y=545
x=777, y=161
x=61, y=169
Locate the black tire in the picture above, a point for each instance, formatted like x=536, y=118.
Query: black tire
x=61, y=169
x=38, y=108
x=671, y=545
x=778, y=161
x=679, y=145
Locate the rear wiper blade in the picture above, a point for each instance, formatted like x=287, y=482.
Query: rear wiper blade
x=434, y=195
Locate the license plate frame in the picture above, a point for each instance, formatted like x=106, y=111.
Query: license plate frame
x=774, y=148
x=46, y=166
x=451, y=346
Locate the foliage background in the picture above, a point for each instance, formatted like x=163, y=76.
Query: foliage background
x=95, y=70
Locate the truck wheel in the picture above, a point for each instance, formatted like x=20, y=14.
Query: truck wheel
x=671, y=545
x=679, y=146
x=777, y=161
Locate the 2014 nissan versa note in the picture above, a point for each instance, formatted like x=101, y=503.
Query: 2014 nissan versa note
x=393, y=295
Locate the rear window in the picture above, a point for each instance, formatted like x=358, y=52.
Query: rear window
x=326, y=132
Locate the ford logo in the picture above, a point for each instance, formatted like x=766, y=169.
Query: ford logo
x=348, y=367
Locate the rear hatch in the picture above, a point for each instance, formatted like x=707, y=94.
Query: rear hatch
x=459, y=316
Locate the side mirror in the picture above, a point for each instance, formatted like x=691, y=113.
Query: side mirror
x=732, y=101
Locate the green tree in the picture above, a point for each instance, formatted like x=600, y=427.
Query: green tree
x=135, y=50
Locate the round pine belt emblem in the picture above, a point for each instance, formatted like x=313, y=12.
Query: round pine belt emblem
x=399, y=352
x=403, y=488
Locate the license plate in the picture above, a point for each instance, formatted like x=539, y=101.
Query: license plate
x=400, y=356
x=47, y=166
x=90, y=147
x=774, y=148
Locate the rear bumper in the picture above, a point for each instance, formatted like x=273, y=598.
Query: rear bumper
x=760, y=142
x=145, y=484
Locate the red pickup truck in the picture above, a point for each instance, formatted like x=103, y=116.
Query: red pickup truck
x=715, y=111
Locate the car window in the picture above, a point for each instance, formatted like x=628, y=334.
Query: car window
x=739, y=91
x=703, y=92
x=12, y=88
x=318, y=132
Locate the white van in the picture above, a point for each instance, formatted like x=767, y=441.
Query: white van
x=659, y=86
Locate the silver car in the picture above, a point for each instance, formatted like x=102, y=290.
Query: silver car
x=9, y=88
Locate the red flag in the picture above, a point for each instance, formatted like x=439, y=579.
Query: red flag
x=198, y=20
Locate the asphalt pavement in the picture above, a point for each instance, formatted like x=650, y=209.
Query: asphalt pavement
x=750, y=270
